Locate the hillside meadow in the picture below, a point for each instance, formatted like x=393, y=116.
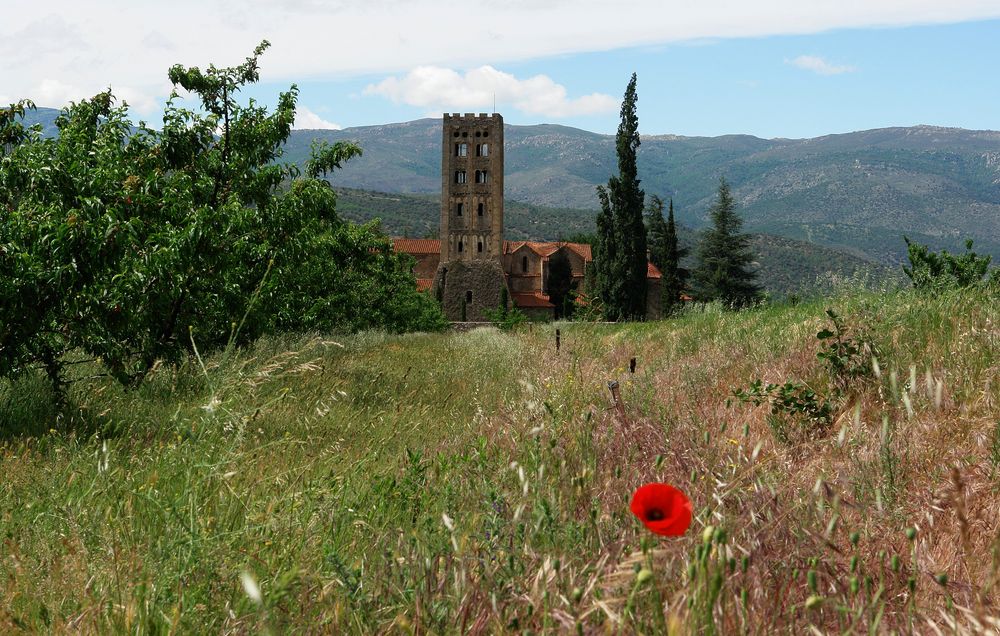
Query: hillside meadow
x=479, y=482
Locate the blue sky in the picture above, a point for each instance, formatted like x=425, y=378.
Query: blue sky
x=941, y=75
x=771, y=68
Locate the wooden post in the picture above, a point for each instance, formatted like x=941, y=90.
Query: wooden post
x=631, y=365
x=557, y=341
x=616, y=395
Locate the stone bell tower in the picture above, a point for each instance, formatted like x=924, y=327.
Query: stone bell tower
x=470, y=274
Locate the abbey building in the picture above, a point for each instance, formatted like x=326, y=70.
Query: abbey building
x=468, y=267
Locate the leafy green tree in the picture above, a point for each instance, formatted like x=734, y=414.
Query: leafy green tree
x=935, y=272
x=559, y=284
x=586, y=238
x=724, y=258
x=128, y=243
x=12, y=132
x=666, y=254
x=621, y=231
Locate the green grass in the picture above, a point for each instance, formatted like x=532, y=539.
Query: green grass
x=479, y=482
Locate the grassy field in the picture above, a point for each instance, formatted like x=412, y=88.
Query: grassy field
x=479, y=482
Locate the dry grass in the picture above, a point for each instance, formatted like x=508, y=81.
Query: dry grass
x=479, y=483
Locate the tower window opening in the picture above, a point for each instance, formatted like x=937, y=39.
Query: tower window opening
x=456, y=133
x=478, y=134
x=479, y=247
x=482, y=176
x=482, y=150
x=468, y=296
x=486, y=134
x=465, y=134
x=461, y=150
x=524, y=264
x=460, y=176
x=458, y=209
x=460, y=245
x=480, y=209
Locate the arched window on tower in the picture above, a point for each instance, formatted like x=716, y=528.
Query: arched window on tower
x=480, y=209
x=524, y=264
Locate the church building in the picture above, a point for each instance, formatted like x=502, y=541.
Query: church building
x=470, y=264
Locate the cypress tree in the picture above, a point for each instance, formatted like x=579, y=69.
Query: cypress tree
x=656, y=231
x=620, y=226
x=605, y=255
x=724, y=257
x=675, y=277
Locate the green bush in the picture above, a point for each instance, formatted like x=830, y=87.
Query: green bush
x=938, y=271
x=846, y=356
x=797, y=412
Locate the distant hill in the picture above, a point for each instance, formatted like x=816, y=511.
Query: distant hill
x=418, y=215
x=46, y=117
x=784, y=265
x=857, y=192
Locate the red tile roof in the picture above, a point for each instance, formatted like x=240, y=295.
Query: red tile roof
x=531, y=300
x=542, y=248
x=582, y=249
x=417, y=246
x=546, y=249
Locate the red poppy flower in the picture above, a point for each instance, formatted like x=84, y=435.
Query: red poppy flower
x=662, y=508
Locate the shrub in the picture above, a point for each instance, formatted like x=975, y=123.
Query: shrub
x=935, y=272
x=797, y=412
x=847, y=357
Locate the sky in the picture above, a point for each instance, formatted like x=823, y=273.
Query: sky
x=770, y=68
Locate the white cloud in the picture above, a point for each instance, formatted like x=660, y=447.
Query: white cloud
x=447, y=90
x=819, y=66
x=53, y=92
x=139, y=100
x=305, y=119
x=91, y=45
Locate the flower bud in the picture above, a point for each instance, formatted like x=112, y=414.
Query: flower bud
x=707, y=534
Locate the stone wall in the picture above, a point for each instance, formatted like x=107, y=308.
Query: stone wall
x=537, y=313
x=654, y=310
x=455, y=279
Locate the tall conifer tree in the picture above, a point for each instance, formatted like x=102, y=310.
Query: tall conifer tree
x=675, y=277
x=656, y=232
x=723, y=272
x=621, y=230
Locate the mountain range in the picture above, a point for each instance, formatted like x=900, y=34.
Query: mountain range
x=857, y=192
